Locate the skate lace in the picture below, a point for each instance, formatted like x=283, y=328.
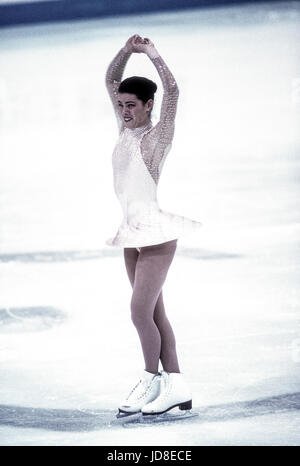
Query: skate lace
x=134, y=388
x=144, y=386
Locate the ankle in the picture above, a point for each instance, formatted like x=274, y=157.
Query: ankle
x=151, y=372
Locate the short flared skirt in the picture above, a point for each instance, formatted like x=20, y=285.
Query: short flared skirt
x=159, y=227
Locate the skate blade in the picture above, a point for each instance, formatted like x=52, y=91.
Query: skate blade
x=122, y=414
x=162, y=418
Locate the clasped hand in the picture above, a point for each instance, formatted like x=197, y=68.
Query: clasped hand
x=138, y=44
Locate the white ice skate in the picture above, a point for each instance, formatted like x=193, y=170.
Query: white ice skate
x=174, y=392
x=146, y=390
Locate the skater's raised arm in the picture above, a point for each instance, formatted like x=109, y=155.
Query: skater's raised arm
x=114, y=75
x=166, y=122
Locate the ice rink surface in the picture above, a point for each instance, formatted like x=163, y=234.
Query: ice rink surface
x=68, y=349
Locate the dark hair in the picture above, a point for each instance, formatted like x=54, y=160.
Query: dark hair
x=143, y=88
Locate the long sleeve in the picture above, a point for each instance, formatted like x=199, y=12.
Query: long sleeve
x=113, y=79
x=157, y=143
x=169, y=101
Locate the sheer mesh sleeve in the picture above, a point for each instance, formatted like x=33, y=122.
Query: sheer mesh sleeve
x=113, y=79
x=157, y=143
x=169, y=103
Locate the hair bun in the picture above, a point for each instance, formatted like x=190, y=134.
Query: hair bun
x=142, y=87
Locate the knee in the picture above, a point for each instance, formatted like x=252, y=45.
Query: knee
x=137, y=320
x=139, y=314
x=136, y=313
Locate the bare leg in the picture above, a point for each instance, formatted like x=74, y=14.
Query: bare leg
x=147, y=272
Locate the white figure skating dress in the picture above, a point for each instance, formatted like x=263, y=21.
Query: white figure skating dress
x=137, y=161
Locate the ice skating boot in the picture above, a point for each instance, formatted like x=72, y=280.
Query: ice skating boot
x=146, y=390
x=174, y=392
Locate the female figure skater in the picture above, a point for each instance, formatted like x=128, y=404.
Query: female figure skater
x=147, y=233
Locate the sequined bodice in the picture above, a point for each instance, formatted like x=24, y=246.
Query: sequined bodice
x=131, y=175
x=135, y=183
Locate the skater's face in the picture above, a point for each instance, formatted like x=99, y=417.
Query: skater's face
x=134, y=112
